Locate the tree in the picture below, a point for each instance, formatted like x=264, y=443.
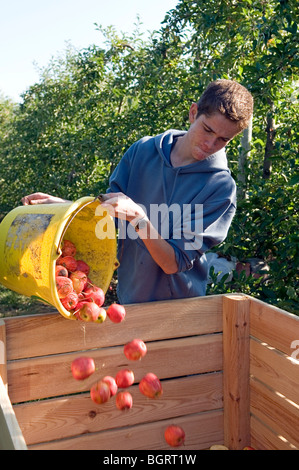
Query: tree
x=89, y=106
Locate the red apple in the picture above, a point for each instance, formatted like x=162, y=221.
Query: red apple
x=94, y=293
x=68, y=248
x=79, y=280
x=68, y=262
x=174, y=436
x=135, y=350
x=70, y=301
x=112, y=384
x=248, y=448
x=150, y=386
x=116, y=313
x=124, y=378
x=100, y=392
x=61, y=271
x=64, y=286
x=124, y=401
x=82, y=367
x=82, y=266
x=88, y=311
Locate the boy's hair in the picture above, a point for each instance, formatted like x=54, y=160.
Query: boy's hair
x=229, y=98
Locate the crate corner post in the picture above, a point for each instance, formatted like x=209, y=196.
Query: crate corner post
x=236, y=363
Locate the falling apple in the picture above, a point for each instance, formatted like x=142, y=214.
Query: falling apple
x=112, y=384
x=135, y=350
x=150, y=386
x=116, y=313
x=100, y=392
x=124, y=401
x=174, y=435
x=82, y=367
x=124, y=378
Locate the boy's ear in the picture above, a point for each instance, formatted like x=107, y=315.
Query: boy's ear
x=193, y=112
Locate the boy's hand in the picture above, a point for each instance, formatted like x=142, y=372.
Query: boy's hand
x=40, y=198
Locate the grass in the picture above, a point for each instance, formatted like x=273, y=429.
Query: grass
x=13, y=304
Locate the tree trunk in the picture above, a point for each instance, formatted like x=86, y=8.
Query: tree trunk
x=270, y=130
x=242, y=162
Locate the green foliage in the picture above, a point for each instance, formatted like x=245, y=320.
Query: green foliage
x=88, y=107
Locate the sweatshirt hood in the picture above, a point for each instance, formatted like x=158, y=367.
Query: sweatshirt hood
x=215, y=162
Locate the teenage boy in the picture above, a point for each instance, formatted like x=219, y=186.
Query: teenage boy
x=176, y=198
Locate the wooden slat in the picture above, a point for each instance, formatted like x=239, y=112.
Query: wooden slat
x=263, y=437
x=39, y=335
x=276, y=411
x=69, y=416
x=275, y=369
x=236, y=371
x=30, y=379
x=202, y=430
x=11, y=437
x=3, y=369
x=274, y=326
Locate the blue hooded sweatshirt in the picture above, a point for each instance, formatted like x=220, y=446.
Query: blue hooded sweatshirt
x=201, y=198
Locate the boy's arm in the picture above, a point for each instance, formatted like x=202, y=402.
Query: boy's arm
x=124, y=208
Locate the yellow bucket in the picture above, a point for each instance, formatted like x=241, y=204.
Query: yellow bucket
x=30, y=243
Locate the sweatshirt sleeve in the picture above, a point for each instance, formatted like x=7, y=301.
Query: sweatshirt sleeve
x=207, y=227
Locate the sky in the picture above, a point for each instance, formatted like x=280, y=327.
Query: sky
x=34, y=31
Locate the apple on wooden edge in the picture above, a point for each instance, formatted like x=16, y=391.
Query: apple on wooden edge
x=218, y=447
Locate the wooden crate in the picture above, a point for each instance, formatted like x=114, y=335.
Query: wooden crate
x=225, y=363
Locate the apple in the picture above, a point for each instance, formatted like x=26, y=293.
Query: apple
x=68, y=248
x=61, y=271
x=248, y=448
x=174, y=435
x=124, y=401
x=82, y=266
x=82, y=367
x=68, y=262
x=135, y=350
x=70, y=301
x=94, y=293
x=100, y=392
x=112, y=384
x=124, y=378
x=150, y=386
x=64, y=286
x=218, y=447
x=116, y=313
x=79, y=280
x=102, y=315
x=88, y=311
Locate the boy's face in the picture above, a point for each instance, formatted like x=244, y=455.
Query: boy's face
x=209, y=134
